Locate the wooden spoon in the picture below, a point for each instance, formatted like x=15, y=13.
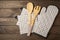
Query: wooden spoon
x=29, y=8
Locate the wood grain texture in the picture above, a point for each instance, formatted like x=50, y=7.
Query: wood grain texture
x=53, y=37
x=19, y=4
x=9, y=36
x=9, y=12
x=55, y=29
x=8, y=21
x=12, y=4
x=10, y=9
x=9, y=29
x=13, y=8
x=24, y=37
x=29, y=0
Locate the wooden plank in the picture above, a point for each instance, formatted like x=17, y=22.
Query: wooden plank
x=9, y=29
x=47, y=3
x=49, y=0
x=39, y=37
x=9, y=12
x=32, y=37
x=55, y=30
x=8, y=21
x=53, y=37
x=57, y=19
x=12, y=4
x=29, y=0
x=19, y=4
x=19, y=37
x=9, y=36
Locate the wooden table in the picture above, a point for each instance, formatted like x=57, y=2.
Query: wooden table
x=10, y=31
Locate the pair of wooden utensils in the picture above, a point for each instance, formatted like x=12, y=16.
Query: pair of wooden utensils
x=33, y=12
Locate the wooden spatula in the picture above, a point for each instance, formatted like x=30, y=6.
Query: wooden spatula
x=35, y=13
